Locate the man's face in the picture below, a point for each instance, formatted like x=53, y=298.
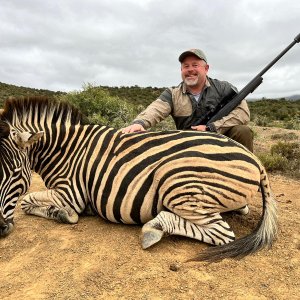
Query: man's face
x=193, y=71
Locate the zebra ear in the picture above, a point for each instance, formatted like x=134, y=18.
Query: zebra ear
x=26, y=138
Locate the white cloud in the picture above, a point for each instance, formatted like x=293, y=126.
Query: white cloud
x=60, y=45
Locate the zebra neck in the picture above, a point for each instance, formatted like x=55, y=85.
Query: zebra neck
x=65, y=147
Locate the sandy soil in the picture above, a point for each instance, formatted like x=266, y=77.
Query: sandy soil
x=95, y=259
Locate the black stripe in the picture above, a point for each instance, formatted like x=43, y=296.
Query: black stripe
x=104, y=197
x=160, y=138
x=76, y=171
x=136, y=170
x=58, y=147
x=42, y=148
x=95, y=164
x=139, y=199
x=177, y=185
x=187, y=193
x=201, y=169
x=211, y=185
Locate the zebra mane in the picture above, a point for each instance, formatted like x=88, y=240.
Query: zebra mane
x=30, y=108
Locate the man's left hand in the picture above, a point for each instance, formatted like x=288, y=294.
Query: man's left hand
x=199, y=127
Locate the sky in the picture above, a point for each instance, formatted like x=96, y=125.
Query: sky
x=61, y=45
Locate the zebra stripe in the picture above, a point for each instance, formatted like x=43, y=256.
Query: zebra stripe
x=15, y=178
x=174, y=182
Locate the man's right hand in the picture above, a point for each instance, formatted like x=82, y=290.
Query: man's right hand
x=133, y=128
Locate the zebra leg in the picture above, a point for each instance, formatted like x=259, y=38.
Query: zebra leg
x=49, y=204
x=210, y=228
x=88, y=211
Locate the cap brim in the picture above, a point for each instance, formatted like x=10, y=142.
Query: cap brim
x=186, y=54
x=189, y=53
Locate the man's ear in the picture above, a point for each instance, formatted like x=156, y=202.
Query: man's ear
x=26, y=139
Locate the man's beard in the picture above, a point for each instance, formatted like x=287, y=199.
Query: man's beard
x=191, y=82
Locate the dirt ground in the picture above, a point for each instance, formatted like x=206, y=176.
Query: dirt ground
x=95, y=259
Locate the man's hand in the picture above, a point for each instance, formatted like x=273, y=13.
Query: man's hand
x=199, y=127
x=133, y=128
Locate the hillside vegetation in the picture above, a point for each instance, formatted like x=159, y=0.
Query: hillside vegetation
x=9, y=90
x=133, y=99
x=118, y=106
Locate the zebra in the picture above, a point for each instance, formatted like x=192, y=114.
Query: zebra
x=172, y=182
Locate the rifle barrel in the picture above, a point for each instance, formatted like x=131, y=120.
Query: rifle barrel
x=296, y=40
x=249, y=88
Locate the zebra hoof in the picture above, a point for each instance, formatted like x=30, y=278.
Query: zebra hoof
x=150, y=237
x=68, y=217
x=243, y=211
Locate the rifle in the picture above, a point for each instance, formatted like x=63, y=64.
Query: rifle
x=233, y=99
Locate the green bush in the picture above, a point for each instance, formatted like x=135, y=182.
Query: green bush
x=293, y=123
x=263, y=121
x=101, y=108
x=273, y=162
x=288, y=150
x=284, y=157
x=276, y=113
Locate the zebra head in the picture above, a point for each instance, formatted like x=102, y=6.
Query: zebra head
x=15, y=172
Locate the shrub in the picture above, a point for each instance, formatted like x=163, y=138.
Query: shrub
x=263, y=121
x=273, y=162
x=284, y=111
x=294, y=123
x=288, y=150
x=284, y=157
x=101, y=108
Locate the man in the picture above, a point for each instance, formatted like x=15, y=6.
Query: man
x=192, y=99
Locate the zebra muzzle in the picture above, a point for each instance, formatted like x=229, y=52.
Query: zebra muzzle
x=6, y=226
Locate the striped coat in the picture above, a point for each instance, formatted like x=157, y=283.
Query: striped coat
x=174, y=182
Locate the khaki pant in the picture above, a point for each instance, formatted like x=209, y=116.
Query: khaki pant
x=242, y=134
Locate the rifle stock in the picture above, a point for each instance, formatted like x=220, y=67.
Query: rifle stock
x=224, y=109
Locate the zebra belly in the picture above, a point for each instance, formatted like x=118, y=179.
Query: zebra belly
x=209, y=186
x=206, y=185
x=137, y=205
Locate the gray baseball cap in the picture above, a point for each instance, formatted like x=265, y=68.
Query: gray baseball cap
x=196, y=52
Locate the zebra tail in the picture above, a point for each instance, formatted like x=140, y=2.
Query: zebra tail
x=263, y=235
